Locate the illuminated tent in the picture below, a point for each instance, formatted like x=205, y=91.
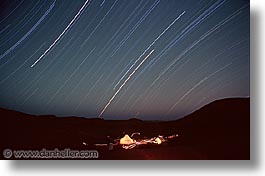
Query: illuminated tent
x=158, y=140
x=126, y=140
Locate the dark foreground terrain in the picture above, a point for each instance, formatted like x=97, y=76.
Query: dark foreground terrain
x=220, y=130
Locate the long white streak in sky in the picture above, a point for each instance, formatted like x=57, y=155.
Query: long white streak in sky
x=131, y=83
x=40, y=74
x=185, y=31
x=199, y=20
x=135, y=27
x=216, y=27
x=120, y=33
x=160, y=35
x=229, y=18
x=123, y=57
x=29, y=32
x=120, y=61
x=196, y=85
x=99, y=24
x=61, y=35
x=106, y=92
x=123, y=84
x=121, y=73
x=102, y=3
x=206, y=63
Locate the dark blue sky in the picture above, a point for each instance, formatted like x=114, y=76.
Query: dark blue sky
x=157, y=59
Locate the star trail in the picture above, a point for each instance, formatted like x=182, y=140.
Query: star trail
x=117, y=59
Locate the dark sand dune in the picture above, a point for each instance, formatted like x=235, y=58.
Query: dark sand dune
x=220, y=130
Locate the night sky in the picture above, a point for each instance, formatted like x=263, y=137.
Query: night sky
x=150, y=59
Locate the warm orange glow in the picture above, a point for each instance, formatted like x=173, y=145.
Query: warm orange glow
x=126, y=140
x=158, y=141
x=128, y=143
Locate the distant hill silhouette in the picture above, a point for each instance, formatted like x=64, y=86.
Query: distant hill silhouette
x=223, y=125
x=135, y=119
x=219, y=130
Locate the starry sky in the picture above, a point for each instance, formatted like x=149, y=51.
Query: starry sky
x=117, y=59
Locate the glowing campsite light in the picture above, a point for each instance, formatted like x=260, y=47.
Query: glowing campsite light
x=127, y=142
x=158, y=141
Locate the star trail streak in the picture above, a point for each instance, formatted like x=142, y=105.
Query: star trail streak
x=11, y=74
x=123, y=84
x=160, y=35
x=119, y=59
x=135, y=27
x=99, y=24
x=102, y=3
x=12, y=11
x=28, y=33
x=228, y=19
x=195, y=86
x=2, y=30
x=121, y=27
x=72, y=74
x=62, y=34
x=23, y=25
x=188, y=29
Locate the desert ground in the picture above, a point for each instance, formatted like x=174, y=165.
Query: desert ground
x=217, y=131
